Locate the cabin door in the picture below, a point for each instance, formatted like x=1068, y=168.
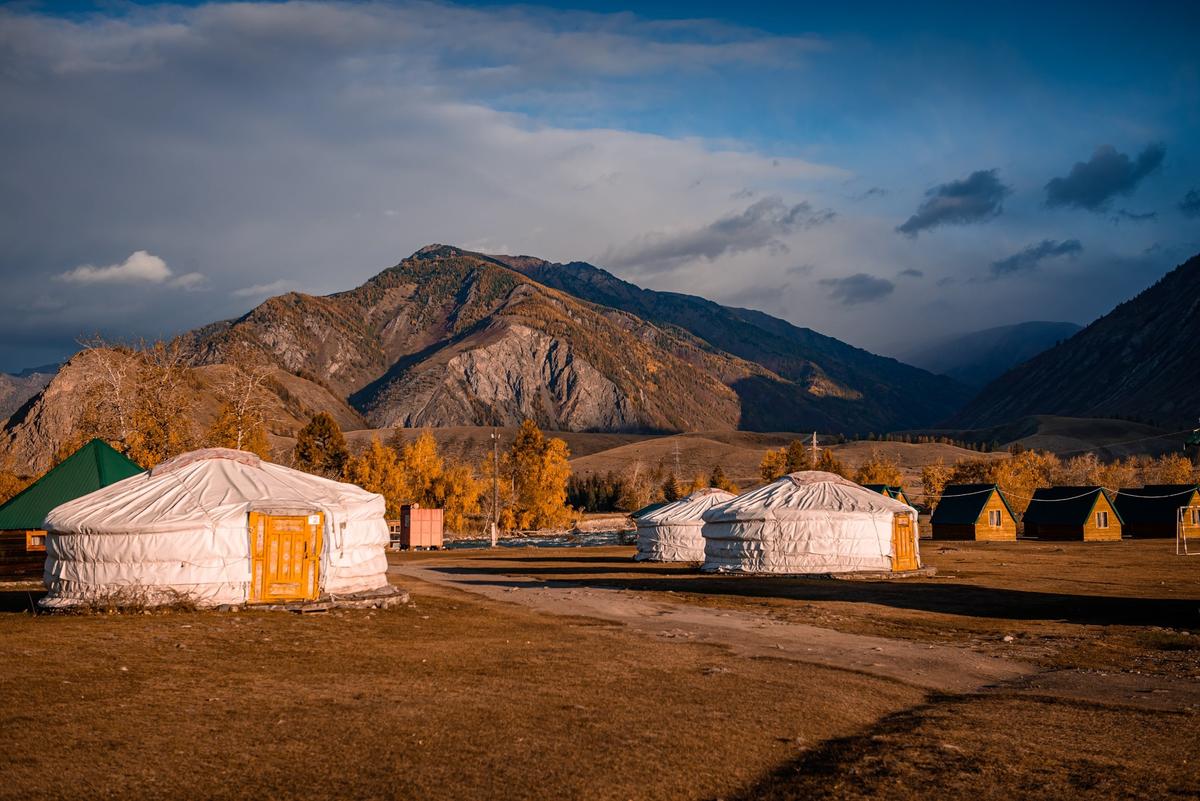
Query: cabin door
x=904, y=543
x=285, y=556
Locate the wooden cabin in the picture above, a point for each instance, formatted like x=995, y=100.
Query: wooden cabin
x=1072, y=513
x=22, y=541
x=973, y=512
x=1153, y=510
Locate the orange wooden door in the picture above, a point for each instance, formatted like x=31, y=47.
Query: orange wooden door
x=904, y=546
x=285, y=556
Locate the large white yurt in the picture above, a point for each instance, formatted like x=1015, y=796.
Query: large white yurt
x=810, y=522
x=671, y=532
x=216, y=526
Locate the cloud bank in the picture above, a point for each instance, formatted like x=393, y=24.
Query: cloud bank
x=1029, y=258
x=140, y=267
x=858, y=288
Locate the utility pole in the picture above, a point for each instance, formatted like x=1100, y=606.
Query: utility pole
x=814, y=450
x=677, y=460
x=495, y=483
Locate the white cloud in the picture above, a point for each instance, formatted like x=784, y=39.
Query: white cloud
x=140, y=267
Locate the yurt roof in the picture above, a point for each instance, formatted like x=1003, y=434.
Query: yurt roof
x=802, y=494
x=205, y=489
x=686, y=509
x=93, y=466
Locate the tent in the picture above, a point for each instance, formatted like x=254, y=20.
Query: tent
x=22, y=540
x=216, y=526
x=810, y=522
x=670, y=532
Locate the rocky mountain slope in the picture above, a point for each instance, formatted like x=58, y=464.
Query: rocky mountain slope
x=16, y=389
x=1139, y=361
x=448, y=337
x=978, y=357
x=837, y=387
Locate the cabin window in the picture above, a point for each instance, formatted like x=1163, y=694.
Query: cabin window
x=1195, y=516
x=994, y=518
x=35, y=540
x=1101, y=519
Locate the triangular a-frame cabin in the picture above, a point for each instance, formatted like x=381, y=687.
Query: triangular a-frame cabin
x=894, y=492
x=22, y=541
x=973, y=512
x=1072, y=513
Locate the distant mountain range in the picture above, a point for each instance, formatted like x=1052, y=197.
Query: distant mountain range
x=1140, y=361
x=978, y=357
x=450, y=337
x=17, y=388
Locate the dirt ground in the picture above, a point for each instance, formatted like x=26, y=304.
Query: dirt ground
x=1021, y=670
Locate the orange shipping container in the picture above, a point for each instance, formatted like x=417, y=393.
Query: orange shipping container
x=418, y=528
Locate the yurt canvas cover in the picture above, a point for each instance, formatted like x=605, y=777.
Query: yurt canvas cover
x=671, y=532
x=810, y=522
x=183, y=529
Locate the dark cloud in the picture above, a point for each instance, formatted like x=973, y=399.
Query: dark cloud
x=1029, y=258
x=1093, y=184
x=758, y=227
x=801, y=269
x=858, y=288
x=874, y=191
x=973, y=199
x=911, y=273
x=1190, y=205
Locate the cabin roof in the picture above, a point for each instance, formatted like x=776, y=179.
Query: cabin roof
x=1153, y=503
x=1065, y=506
x=961, y=504
x=90, y=468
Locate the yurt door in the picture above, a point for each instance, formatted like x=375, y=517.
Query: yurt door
x=904, y=546
x=285, y=556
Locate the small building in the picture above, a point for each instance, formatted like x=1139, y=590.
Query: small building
x=22, y=539
x=811, y=522
x=671, y=532
x=1072, y=513
x=973, y=512
x=216, y=526
x=417, y=529
x=1153, y=510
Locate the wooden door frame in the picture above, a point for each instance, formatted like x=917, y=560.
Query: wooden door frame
x=912, y=540
x=259, y=536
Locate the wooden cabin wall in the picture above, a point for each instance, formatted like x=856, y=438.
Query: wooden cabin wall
x=15, y=561
x=1007, y=532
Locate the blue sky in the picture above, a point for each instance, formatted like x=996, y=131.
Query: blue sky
x=881, y=173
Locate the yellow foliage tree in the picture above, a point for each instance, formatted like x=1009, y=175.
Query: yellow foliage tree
x=233, y=429
x=934, y=478
x=773, y=464
x=829, y=463
x=719, y=480
x=540, y=473
x=377, y=469
x=879, y=469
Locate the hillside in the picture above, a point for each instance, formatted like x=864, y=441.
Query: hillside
x=1138, y=361
x=16, y=389
x=842, y=388
x=978, y=357
x=453, y=338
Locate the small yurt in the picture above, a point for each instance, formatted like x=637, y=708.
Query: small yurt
x=810, y=522
x=216, y=526
x=670, y=532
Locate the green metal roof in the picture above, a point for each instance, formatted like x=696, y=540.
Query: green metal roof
x=93, y=466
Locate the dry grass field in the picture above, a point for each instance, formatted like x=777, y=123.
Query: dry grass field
x=1027, y=670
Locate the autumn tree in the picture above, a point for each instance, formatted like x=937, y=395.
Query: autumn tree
x=934, y=478
x=797, y=457
x=377, y=469
x=879, y=469
x=773, y=465
x=12, y=481
x=241, y=421
x=671, y=490
x=829, y=463
x=321, y=447
x=540, y=472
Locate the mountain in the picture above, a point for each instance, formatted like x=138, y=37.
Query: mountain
x=976, y=358
x=17, y=388
x=836, y=387
x=448, y=337
x=1138, y=361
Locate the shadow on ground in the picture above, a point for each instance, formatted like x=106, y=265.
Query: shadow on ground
x=913, y=594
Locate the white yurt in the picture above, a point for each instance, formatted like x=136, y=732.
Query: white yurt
x=671, y=532
x=216, y=526
x=810, y=522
